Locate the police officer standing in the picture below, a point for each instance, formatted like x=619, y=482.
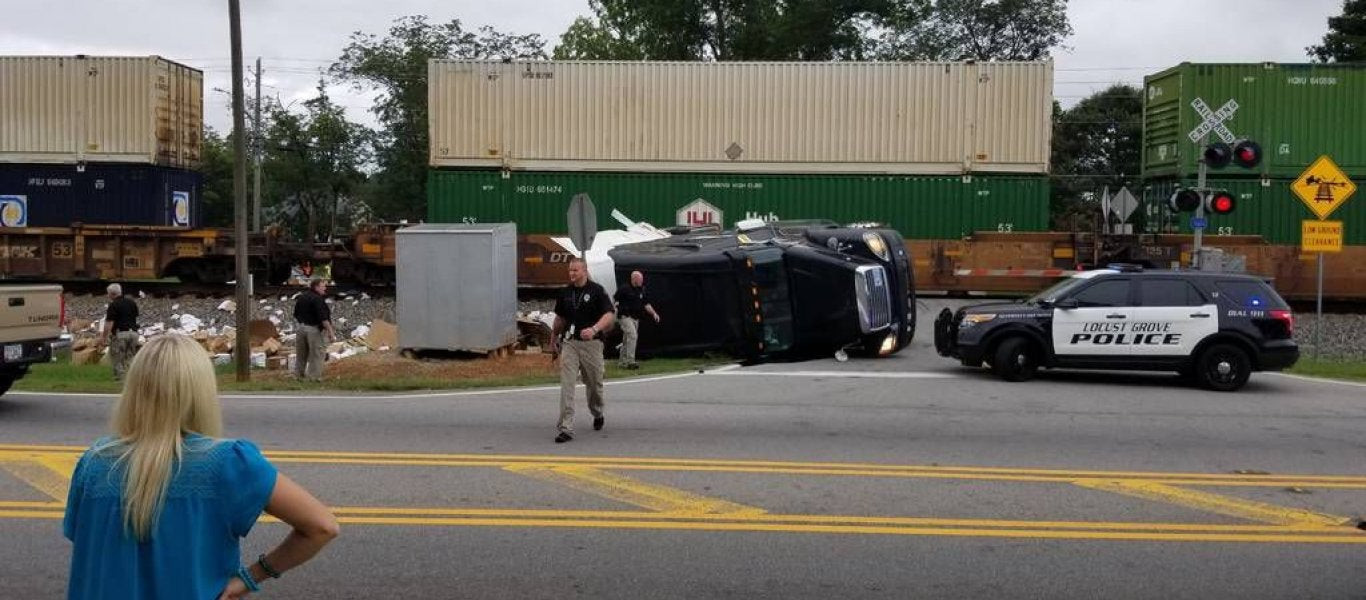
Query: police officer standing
x=314, y=317
x=120, y=330
x=631, y=308
x=582, y=315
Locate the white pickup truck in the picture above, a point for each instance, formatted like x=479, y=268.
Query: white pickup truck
x=31, y=322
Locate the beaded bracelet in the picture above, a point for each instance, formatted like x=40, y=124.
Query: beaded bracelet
x=244, y=574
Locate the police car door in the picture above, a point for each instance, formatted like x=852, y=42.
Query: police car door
x=1171, y=318
x=1091, y=326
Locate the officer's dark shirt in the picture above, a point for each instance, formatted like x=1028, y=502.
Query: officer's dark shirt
x=312, y=309
x=123, y=313
x=631, y=302
x=581, y=307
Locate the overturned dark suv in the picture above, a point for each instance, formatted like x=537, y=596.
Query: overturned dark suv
x=1214, y=328
x=775, y=290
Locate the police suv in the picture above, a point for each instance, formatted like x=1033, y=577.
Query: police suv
x=1214, y=328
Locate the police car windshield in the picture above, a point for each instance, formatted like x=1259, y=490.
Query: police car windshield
x=1058, y=290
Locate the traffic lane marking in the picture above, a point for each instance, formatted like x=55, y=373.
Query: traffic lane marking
x=1217, y=503
x=778, y=467
x=1318, y=379
x=632, y=491
x=825, y=524
x=846, y=374
x=48, y=473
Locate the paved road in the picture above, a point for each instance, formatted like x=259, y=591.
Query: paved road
x=905, y=477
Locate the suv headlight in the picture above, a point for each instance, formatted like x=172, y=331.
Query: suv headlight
x=877, y=246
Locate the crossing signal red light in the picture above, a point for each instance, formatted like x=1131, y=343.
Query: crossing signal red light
x=1221, y=203
x=1248, y=154
x=1218, y=155
x=1184, y=201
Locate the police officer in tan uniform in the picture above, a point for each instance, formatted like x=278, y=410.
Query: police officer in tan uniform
x=583, y=314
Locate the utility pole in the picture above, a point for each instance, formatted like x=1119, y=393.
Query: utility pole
x=242, y=348
x=256, y=151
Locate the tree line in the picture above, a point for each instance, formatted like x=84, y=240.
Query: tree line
x=323, y=174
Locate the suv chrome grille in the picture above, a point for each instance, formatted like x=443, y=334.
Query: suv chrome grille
x=874, y=294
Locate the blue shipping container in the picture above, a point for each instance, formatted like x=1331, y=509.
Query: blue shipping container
x=33, y=195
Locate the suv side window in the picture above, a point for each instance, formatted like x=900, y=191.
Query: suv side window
x=1169, y=292
x=1250, y=294
x=1111, y=292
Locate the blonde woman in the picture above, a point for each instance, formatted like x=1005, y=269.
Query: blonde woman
x=158, y=509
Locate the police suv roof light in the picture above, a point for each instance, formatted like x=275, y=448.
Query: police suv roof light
x=1125, y=267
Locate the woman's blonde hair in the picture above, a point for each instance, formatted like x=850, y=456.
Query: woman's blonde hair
x=171, y=390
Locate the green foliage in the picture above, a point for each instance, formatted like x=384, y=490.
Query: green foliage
x=312, y=167
x=1096, y=144
x=723, y=30
x=974, y=29
x=216, y=200
x=1346, y=37
x=396, y=66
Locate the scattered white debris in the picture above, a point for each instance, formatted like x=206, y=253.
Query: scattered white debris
x=279, y=312
x=228, y=306
x=175, y=307
x=364, y=296
x=331, y=301
x=360, y=331
x=284, y=299
x=142, y=294
x=222, y=359
x=341, y=320
x=258, y=360
x=267, y=308
x=190, y=323
x=263, y=301
x=274, y=320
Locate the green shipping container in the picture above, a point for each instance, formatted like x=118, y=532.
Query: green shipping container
x=918, y=207
x=1295, y=112
x=1265, y=207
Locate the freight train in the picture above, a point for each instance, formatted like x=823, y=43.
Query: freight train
x=102, y=184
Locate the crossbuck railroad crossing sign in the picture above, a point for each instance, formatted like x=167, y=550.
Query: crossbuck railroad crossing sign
x=1213, y=121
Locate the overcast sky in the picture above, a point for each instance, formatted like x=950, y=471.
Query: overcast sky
x=1115, y=40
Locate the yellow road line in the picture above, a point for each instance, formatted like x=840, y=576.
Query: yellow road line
x=911, y=473
x=355, y=511
x=870, y=530
x=495, y=460
x=632, y=491
x=1216, y=503
x=29, y=504
x=40, y=475
x=844, y=525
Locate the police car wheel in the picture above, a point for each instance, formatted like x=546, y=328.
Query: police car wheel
x=1016, y=359
x=1223, y=368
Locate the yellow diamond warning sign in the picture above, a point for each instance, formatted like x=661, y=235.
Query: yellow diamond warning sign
x=1321, y=236
x=1323, y=187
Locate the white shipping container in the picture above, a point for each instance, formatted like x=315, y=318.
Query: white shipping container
x=62, y=109
x=837, y=117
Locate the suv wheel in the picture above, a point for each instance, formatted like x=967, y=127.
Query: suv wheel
x=1223, y=368
x=1015, y=359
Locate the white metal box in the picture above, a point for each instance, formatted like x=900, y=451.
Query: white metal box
x=457, y=286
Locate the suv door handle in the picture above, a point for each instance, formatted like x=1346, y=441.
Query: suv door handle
x=1200, y=316
x=1115, y=316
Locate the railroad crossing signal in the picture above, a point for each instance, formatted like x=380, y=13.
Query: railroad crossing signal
x=1220, y=203
x=1323, y=187
x=1213, y=121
